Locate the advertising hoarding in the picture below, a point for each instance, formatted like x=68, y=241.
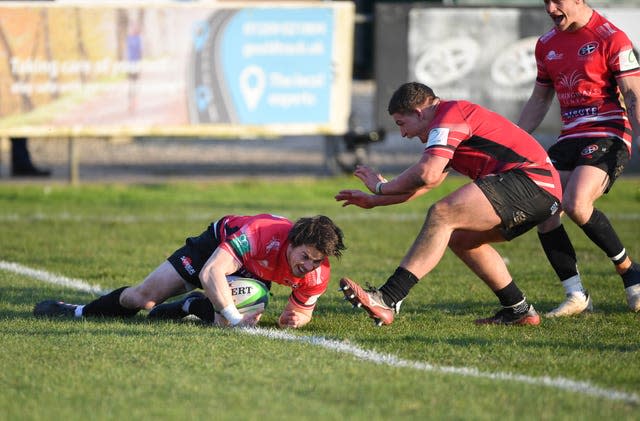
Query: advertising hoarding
x=232, y=69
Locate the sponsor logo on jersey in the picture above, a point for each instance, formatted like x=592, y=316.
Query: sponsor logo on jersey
x=187, y=264
x=552, y=55
x=274, y=244
x=627, y=60
x=588, y=48
x=570, y=81
x=241, y=244
x=579, y=112
x=589, y=150
x=438, y=137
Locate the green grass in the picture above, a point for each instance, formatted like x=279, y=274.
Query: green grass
x=113, y=235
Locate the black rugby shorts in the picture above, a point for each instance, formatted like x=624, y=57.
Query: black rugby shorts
x=519, y=202
x=607, y=153
x=189, y=259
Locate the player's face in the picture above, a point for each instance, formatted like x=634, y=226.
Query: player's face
x=415, y=123
x=563, y=13
x=304, y=259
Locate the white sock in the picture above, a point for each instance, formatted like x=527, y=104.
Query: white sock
x=78, y=311
x=573, y=285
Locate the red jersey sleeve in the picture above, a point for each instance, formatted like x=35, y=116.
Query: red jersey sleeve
x=543, y=78
x=622, y=60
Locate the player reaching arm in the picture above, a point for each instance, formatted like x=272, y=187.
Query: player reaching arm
x=415, y=181
x=514, y=188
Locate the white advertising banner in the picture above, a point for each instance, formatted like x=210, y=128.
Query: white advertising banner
x=233, y=69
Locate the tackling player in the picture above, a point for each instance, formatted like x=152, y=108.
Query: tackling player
x=264, y=247
x=515, y=188
x=587, y=61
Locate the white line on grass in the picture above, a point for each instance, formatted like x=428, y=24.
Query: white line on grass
x=51, y=278
x=585, y=388
x=391, y=360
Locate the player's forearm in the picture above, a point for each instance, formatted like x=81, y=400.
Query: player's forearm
x=633, y=113
x=531, y=116
x=536, y=108
x=393, y=199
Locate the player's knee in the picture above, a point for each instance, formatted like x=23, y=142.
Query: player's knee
x=578, y=211
x=441, y=214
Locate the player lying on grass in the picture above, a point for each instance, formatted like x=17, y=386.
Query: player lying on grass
x=264, y=247
x=514, y=188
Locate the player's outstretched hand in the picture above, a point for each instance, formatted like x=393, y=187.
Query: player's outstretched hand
x=354, y=197
x=293, y=319
x=369, y=177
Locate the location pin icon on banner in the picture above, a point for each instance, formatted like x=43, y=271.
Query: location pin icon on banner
x=252, y=84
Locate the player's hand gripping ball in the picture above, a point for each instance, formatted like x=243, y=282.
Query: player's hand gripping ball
x=249, y=295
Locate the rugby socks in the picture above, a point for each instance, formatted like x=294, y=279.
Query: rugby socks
x=511, y=297
x=573, y=286
x=599, y=230
x=201, y=307
x=397, y=286
x=632, y=276
x=109, y=306
x=560, y=253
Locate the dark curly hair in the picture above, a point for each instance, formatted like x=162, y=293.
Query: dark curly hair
x=320, y=232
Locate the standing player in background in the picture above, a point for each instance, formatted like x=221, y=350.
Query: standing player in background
x=587, y=62
x=134, y=57
x=514, y=188
x=264, y=247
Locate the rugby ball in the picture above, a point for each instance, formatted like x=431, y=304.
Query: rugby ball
x=249, y=295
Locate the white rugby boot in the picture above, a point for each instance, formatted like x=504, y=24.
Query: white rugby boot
x=633, y=297
x=576, y=303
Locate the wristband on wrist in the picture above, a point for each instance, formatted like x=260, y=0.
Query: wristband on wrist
x=379, y=187
x=232, y=314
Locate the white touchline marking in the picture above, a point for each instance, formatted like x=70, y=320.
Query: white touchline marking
x=394, y=361
x=391, y=360
x=51, y=278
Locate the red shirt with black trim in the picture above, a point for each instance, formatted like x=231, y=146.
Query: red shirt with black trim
x=480, y=142
x=582, y=67
x=260, y=243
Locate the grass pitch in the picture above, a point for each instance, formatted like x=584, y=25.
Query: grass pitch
x=432, y=363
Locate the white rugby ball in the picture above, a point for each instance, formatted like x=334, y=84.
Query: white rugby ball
x=249, y=295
